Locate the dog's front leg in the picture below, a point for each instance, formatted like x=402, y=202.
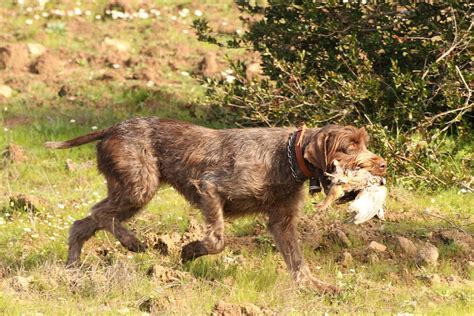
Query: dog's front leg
x=211, y=205
x=283, y=229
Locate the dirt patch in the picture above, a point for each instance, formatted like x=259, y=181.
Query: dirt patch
x=164, y=274
x=15, y=153
x=47, y=65
x=14, y=57
x=248, y=309
x=26, y=203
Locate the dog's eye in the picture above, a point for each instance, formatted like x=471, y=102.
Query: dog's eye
x=351, y=146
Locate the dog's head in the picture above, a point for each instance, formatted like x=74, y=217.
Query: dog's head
x=345, y=144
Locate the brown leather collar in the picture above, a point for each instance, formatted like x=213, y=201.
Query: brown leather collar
x=299, y=153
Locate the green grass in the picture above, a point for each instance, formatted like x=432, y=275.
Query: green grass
x=112, y=281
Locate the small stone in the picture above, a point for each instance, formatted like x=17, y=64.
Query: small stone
x=208, y=66
x=435, y=279
x=406, y=246
x=6, y=91
x=341, y=237
x=119, y=45
x=346, y=259
x=36, y=49
x=453, y=279
x=253, y=71
x=427, y=255
x=375, y=246
x=70, y=165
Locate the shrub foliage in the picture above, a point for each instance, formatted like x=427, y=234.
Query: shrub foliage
x=402, y=70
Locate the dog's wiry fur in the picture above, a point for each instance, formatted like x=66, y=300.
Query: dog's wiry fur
x=224, y=173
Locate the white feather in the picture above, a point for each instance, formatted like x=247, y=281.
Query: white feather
x=369, y=203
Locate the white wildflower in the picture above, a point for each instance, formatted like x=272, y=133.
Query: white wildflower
x=185, y=73
x=72, y=121
x=230, y=78
x=183, y=13
x=29, y=22
x=94, y=127
x=77, y=11
x=27, y=229
x=198, y=13
x=61, y=206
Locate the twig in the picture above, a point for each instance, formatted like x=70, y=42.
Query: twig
x=446, y=220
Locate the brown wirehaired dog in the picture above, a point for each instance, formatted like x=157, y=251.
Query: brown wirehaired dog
x=224, y=173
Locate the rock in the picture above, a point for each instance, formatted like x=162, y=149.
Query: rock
x=14, y=153
x=14, y=57
x=36, y=49
x=435, y=279
x=253, y=71
x=340, y=237
x=427, y=255
x=406, y=246
x=453, y=279
x=208, y=66
x=346, y=259
x=119, y=45
x=375, y=246
x=6, y=91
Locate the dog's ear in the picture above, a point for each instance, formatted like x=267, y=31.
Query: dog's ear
x=316, y=151
x=363, y=136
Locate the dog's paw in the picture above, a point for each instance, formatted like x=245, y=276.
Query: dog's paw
x=306, y=280
x=193, y=250
x=136, y=246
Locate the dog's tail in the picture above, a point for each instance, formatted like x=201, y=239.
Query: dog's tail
x=81, y=140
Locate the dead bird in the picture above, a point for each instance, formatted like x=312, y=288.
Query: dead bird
x=369, y=202
x=346, y=180
x=371, y=189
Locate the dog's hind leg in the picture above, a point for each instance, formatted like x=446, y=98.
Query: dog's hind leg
x=111, y=221
x=212, y=207
x=80, y=232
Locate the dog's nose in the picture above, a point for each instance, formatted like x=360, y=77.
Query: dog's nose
x=383, y=165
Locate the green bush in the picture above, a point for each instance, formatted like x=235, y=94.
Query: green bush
x=403, y=71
